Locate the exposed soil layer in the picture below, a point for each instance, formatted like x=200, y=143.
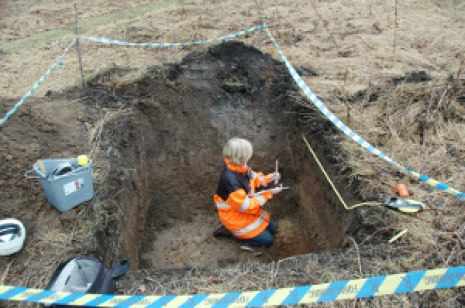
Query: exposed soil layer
x=167, y=156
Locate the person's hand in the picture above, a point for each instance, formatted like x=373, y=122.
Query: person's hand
x=276, y=190
x=275, y=176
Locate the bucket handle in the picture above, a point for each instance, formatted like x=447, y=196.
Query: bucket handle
x=80, y=170
x=29, y=176
x=76, y=172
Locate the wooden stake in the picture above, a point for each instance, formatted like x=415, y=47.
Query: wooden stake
x=263, y=22
x=395, y=26
x=325, y=23
x=344, y=94
x=84, y=83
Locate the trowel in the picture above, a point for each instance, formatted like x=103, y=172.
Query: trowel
x=404, y=205
x=276, y=180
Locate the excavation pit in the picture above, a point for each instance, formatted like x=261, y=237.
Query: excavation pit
x=164, y=145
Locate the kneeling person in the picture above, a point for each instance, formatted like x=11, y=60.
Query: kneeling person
x=239, y=208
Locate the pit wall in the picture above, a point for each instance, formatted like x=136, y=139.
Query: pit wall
x=328, y=222
x=141, y=190
x=123, y=200
x=169, y=151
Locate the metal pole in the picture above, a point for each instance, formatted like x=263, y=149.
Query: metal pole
x=84, y=83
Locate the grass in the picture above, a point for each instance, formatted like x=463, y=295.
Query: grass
x=85, y=26
x=391, y=123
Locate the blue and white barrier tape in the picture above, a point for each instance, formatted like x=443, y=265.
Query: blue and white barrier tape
x=347, y=289
x=55, y=66
x=116, y=42
x=300, y=82
x=354, y=136
x=160, y=45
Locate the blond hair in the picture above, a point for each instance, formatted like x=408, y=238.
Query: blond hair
x=237, y=150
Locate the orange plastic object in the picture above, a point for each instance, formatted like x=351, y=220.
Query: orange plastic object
x=402, y=190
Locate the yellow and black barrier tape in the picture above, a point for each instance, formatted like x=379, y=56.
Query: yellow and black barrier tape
x=340, y=290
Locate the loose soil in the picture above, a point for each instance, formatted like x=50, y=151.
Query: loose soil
x=154, y=123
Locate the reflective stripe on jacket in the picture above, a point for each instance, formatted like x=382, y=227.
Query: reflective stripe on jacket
x=242, y=215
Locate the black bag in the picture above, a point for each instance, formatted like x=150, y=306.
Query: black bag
x=86, y=275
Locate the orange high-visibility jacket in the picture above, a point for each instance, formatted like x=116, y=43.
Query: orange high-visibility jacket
x=242, y=215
